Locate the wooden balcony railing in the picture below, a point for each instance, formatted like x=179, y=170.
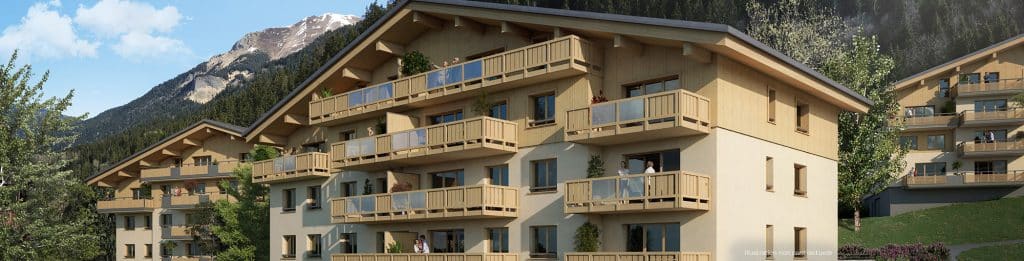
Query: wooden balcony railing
x=997, y=116
x=1004, y=86
x=639, y=192
x=426, y=257
x=911, y=180
x=478, y=201
x=936, y=121
x=638, y=256
x=470, y=138
x=653, y=116
x=189, y=171
x=189, y=201
x=292, y=167
x=548, y=60
x=177, y=232
x=991, y=148
x=1013, y=177
x=116, y=205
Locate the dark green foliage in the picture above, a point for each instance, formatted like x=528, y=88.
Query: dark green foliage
x=414, y=62
x=595, y=166
x=262, y=152
x=588, y=238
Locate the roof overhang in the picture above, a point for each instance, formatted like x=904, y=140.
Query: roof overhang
x=954, y=65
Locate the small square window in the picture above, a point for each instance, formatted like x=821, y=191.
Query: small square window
x=543, y=109
x=288, y=200
x=803, y=117
x=545, y=175
x=800, y=242
x=799, y=180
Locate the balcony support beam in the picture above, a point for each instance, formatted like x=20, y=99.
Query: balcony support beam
x=513, y=29
x=192, y=142
x=172, y=153
x=125, y=174
x=104, y=183
x=356, y=74
x=296, y=119
x=146, y=163
x=696, y=53
x=626, y=43
x=390, y=48
x=467, y=24
x=427, y=20
x=272, y=139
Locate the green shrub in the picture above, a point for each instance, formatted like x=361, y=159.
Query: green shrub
x=414, y=62
x=588, y=238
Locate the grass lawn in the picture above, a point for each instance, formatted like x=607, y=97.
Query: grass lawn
x=1005, y=252
x=976, y=222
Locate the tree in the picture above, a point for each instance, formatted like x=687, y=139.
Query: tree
x=870, y=156
x=588, y=238
x=48, y=213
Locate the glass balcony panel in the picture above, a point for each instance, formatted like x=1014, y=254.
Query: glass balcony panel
x=453, y=75
x=473, y=70
x=385, y=91
x=367, y=204
x=371, y=95
x=400, y=201
x=632, y=187
x=602, y=114
x=602, y=189
x=352, y=206
x=418, y=137
x=631, y=110
x=352, y=149
x=436, y=79
x=356, y=98
x=418, y=200
x=400, y=140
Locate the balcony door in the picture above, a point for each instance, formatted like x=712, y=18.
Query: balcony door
x=930, y=169
x=446, y=117
x=650, y=87
x=970, y=78
x=990, y=167
x=663, y=161
x=454, y=178
x=920, y=111
x=652, y=237
x=990, y=105
x=447, y=241
x=983, y=135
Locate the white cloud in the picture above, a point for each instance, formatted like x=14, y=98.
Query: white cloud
x=140, y=45
x=116, y=17
x=44, y=32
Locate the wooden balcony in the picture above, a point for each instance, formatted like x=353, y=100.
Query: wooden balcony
x=1007, y=116
x=426, y=257
x=999, y=148
x=220, y=169
x=545, y=61
x=654, y=116
x=190, y=201
x=466, y=202
x=126, y=205
x=638, y=256
x=470, y=138
x=289, y=168
x=176, y=232
x=912, y=181
x=966, y=180
x=939, y=121
x=998, y=88
x=663, y=191
x=1013, y=178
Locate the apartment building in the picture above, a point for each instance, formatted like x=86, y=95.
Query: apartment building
x=156, y=189
x=713, y=145
x=963, y=132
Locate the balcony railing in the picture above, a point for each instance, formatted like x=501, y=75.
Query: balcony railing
x=470, y=138
x=639, y=192
x=292, y=167
x=176, y=232
x=938, y=121
x=561, y=57
x=190, y=171
x=991, y=148
x=1013, y=177
x=479, y=201
x=124, y=205
x=189, y=201
x=966, y=179
x=653, y=116
x=992, y=117
x=1004, y=86
x=924, y=180
x=426, y=257
x=637, y=256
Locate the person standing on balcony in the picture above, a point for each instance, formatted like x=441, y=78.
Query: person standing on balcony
x=991, y=137
x=424, y=247
x=650, y=167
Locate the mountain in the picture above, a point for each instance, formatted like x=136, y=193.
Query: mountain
x=191, y=90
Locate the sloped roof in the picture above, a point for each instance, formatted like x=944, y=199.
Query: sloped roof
x=951, y=65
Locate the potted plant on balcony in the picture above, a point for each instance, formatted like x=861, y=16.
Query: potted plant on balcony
x=587, y=238
x=595, y=166
x=394, y=247
x=367, y=187
x=956, y=167
x=414, y=62
x=382, y=125
x=480, y=105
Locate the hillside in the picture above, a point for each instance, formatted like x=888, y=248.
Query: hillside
x=962, y=223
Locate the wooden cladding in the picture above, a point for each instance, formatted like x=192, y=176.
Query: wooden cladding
x=479, y=201
x=1007, y=115
x=426, y=257
x=639, y=192
x=1001, y=87
x=125, y=205
x=469, y=138
x=570, y=53
x=292, y=168
x=189, y=201
x=638, y=256
x=658, y=115
x=189, y=171
x=993, y=148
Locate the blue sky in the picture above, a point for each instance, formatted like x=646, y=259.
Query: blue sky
x=113, y=51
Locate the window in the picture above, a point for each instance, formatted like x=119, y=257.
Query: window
x=313, y=147
x=288, y=203
x=202, y=160
x=652, y=237
x=771, y=105
x=499, y=240
x=148, y=221
x=166, y=250
x=165, y=220
x=769, y=174
x=936, y=142
x=799, y=180
x=447, y=241
x=244, y=157
x=129, y=251
x=165, y=190
x=149, y=250
x=499, y=110
x=799, y=242
x=970, y=78
x=347, y=243
x=803, y=119
x=661, y=161
x=347, y=135
x=990, y=135
x=193, y=249
x=200, y=188
x=288, y=246
x=910, y=142
x=769, y=242
x=991, y=77
x=177, y=162
x=990, y=167
x=543, y=109
x=930, y=169
x=544, y=241
x=651, y=87
x=499, y=175
x=189, y=219
x=446, y=117
x=453, y=178
x=545, y=175
x=944, y=87
x=990, y=105
x=919, y=111
x=348, y=189
x=129, y=222
x=313, y=246
x=233, y=183
x=313, y=197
